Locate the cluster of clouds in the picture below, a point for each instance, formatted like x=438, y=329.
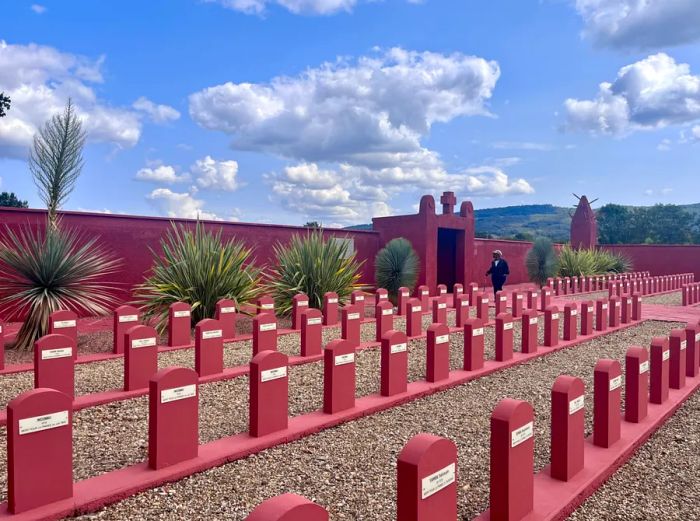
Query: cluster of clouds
x=306, y=7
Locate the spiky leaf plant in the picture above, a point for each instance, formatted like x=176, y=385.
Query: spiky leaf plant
x=541, y=261
x=573, y=263
x=197, y=267
x=44, y=271
x=396, y=265
x=311, y=264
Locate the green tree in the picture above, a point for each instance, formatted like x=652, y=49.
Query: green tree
x=4, y=104
x=615, y=223
x=312, y=224
x=668, y=224
x=10, y=199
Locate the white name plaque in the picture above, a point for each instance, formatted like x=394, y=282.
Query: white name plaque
x=42, y=423
x=398, y=348
x=479, y=331
x=228, y=309
x=273, y=374
x=416, y=309
x=332, y=300
x=442, y=305
x=507, y=325
x=143, y=342
x=50, y=354
x=684, y=345
x=574, y=312
x=268, y=305
x=359, y=298
x=353, y=316
x=313, y=321
x=441, y=339
x=386, y=312
x=533, y=321
x=643, y=367
x=214, y=333
x=615, y=383
x=178, y=393
x=181, y=314
x=345, y=359
x=555, y=316
x=521, y=434
x=302, y=303
x=666, y=355
x=62, y=324
x=424, y=292
x=465, y=303
x=576, y=404
x=437, y=481
x=128, y=318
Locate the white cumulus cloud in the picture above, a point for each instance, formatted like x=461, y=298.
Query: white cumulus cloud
x=157, y=113
x=179, y=204
x=38, y=8
x=215, y=175
x=161, y=174
x=306, y=7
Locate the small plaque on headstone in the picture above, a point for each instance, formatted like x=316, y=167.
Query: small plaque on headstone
x=576, y=404
x=313, y=321
x=386, y=312
x=214, y=333
x=442, y=305
x=268, y=327
x=143, y=342
x=61, y=324
x=521, y=434
x=441, y=339
x=666, y=355
x=181, y=314
x=50, y=354
x=42, y=423
x=555, y=316
x=615, y=383
x=353, y=316
x=533, y=321
x=479, y=331
x=437, y=481
x=228, y=309
x=178, y=393
x=398, y=348
x=273, y=374
x=128, y=318
x=643, y=367
x=267, y=305
x=345, y=359
x=507, y=325
x=333, y=300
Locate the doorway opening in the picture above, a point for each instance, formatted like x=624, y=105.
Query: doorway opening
x=450, y=257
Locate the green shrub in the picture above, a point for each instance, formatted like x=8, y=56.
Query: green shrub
x=396, y=265
x=312, y=265
x=541, y=261
x=574, y=263
x=199, y=268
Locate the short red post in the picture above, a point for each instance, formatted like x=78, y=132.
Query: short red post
x=394, y=363
x=208, y=347
x=64, y=322
x=380, y=295
x=607, y=389
x=140, y=357
x=482, y=307
x=226, y=315
x=636, y=384
x=501, y=302
x=473, y=345
x=350, y=321
x=288, y=507
x=473, y=290
x=528, y=331
x=516, y=304
x=300, y=303
x=545, y=298
x=54, y=364
x=512, y=460
x=457, y=290
x=402, y=299
x=414, y=317
x=615, y=311
x=265, y=304
x=437, y=365
x=330, y=309
x=660, y=358
x=692, y=361
x=626, y=316
x=570, y=321
x=440, y=310
x=532, y=298
x=601, y=315
x=636, y=307
x=338, y=376
x=504, y=337
x=587, y=311
x=357, y=299
x=678, y=347
x=39, y=449
x=173, y=417
x=551, y=326
x=461, y=309
x=123, y=318
x=311, y=332
x=179, y=324
x=442, y=290
x=567, y=428
x=269, y=393
x=423, y=294
x=426, y=480
x=264, y=332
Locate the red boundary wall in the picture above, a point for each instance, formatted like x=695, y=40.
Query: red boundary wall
x=661, y=259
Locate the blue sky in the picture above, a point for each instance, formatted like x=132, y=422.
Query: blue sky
x=339, y=110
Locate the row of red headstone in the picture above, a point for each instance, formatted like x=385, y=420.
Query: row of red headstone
x=426, y=471
x=690, y=294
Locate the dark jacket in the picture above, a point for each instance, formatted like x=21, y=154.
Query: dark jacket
x=498, y=272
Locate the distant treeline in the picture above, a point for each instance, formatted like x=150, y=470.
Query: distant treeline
x=659, y=224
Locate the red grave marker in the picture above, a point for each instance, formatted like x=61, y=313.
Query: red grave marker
x=504, y=337
x=330, y=308
x=179, y=324
x=660, y=357
x=402, y=299
x=482, y=307
x=123, y=319
x=567, y=429
x=357, y=297
x=528, y=331
x=501, y=302
x=532, y=299
x=264, y=333
x=440, y=310
x=570, y=321
x=678, y=346
x=587, y=318
x=311, y=332
x=64, y=322
x=607, y=390
x=601, y=315
x=338, y=376
x=461, y=310
x=300, y=303
x=516, y=304
x=265, y=304
x=692, y=361
x=350, y=321
x=381, y=295
x=615, y=312
x=473, y=344
x=545, y=298
x=226, y=315
x=636, y=307
x=269, y=393
x=551, y=326
x=288, y=507
x=457, y=290
x=394, y=363
x=626, y=316
x=414, y=318
x=473, y=289
x=437, y=365
x=208, y=347
x=54, y=364
x=636, y=384
x=140, y=357
x=423, y=294
x=384, y=320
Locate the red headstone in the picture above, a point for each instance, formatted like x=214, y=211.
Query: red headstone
x=473, y=290
x=601, y=315
x=636, y=384
x=123, y=318
x=437, y=365
x=482, y=307
x=39, y=449
x=636, y=307
x=350, y=321
x=208, y=347
x=140, y=357
x=423, y=294
x=381, y=295
x=516, y=304
x=402, y=300
x=173, y=417
x=426, y=480
x=626, y=316
x=414, y=318
x=311, y=332
x=551, y=326
x=558, y=286
x=528, y=331
x=615, y=312
x=338, y=376
x=692, y=361
x=265, y=304
x=384, y=319
x=457, y=290
x=501, y=302
x=570, y=321
x=504, y=337
x=567, y=432
x=64, y=322
x=300, y=303
x=587, y=313
x=264, y=333
x=54, y=365
x=394, y=363
x=474, y=344
x=461, y=309
x=660, y=359
x=532, y=299
x=512, y=460
x=440, y=310
x=226, y=315
x=678, y=346
x=179, y=324
x=567, y=285
x=288, y=507
x=269, y=393
x=545, y=298
x=330, y=309
x=574, y=285
x=358, y=297
x=607, y=389
x=441, y=290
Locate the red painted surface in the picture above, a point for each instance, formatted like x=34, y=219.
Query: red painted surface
x=140, y=357
x=567, y=430
x=269, y=393
x=545, y=298
x=461, y=309
x=424, y=457
x=678, y=346
x=394, y=363
x=440, y=310
x=661, y=259
x=53, y=363
x=299, y=303
x=179, y=324
x=124, y=318
x=264, y=333
x=330, y=308
x=173, y=417
x=64, y=322
x=659, y=361
x=437, y=365
x=350, y=321
x=607, y=391
x=692, y=332
x=614, y=311
x=529, y=331
x=587, y=312
x=226, y=315
x=551, y=326
x=311, y=332
x=482, y=307
x=504, y=337
x=516, y=305
x=474, y=344
x=338, y=376
x=402, y=300
x=208, y=347
x=570, y=321
x=384, y=319
x=288, y=507
x=414, y=317
x=636, y=384
x=501, y=302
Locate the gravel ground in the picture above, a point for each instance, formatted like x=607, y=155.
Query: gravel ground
x=669, y=299
x=339, y=478
x=586, y=296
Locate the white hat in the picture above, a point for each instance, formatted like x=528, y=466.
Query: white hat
x=498, y=252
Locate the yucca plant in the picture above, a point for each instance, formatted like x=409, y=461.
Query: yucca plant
x=44, y=271
x=313, y=265
x=396, y=265
x=541, y=261
x=199, y=268
x=573, y=263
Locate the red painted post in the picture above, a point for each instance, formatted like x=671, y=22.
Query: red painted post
x=226, y=315
x=64, y=322
x=567, y=428
x=461, y=310
x=607, y=388
x=685, y=290
x=179, y=324
x=512, y=460
x=574, y=285
x=626, y=317
x=338, y=376
x=426, y=480
x=504, y=337
x=457, y=290
x=567, y=285
x=123, y=318
x=265, y=304
x=528, y=331
x=381, y=295
x=570, y=321
x=440, y=310
x=692, y=361
x=545, y=298
x=601, y=315
x=473, y=290
x=501, y=302
x=678, y=347
x=614, y=312
x=473, y=344
x=394, y=363
x=558, y=286
x=636, y=307
x=140, y=357
x=269, y=394
x=208, y=347
x=532, y=297
x=423, y=294
x=636, y=384
x=300, y=303
x=357, y=299
x=437, y=365
x=660, y=358
x=516, y=304
x=39, y=449
x=264, y=332
x=350, y=321
x=330, y=309
x=173, y=417
x=551, y=326
x=442, y=291
x=311, y=332
x=587, y=318
x=482, y=307
x=54, y=364
x=288, y=507
x=384, y=320
x=414, y=319
x=402, y=300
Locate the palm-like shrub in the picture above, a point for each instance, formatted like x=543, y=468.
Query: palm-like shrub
x=541, y=261
x=199, y=268
x=312, y=265
x=44, y=271
x=574, y=263
x=396, y=265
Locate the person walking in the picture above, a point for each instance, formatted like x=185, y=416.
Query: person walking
x=499, y=271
